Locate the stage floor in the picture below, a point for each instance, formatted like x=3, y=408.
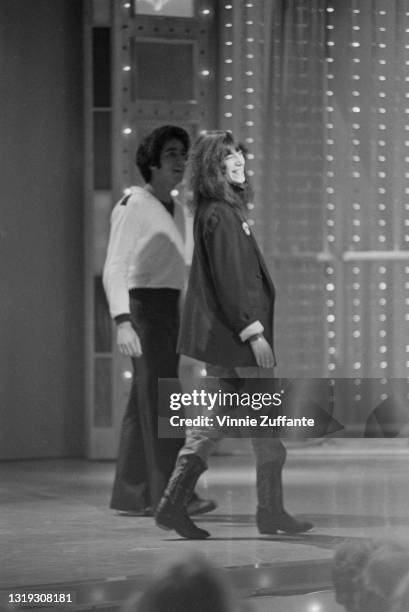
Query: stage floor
x=56, y=526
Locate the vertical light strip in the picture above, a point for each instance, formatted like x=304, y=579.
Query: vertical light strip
x=250, y=93
x=228, y=65
x=355, y=321
x=329, y=236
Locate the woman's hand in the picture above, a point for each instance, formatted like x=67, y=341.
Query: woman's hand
x=262, y=352
x=128, y=340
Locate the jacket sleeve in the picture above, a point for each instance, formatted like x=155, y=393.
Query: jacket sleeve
x=121, y=246
x=234, y=271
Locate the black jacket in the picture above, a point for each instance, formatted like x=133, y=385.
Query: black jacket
x=229, y=288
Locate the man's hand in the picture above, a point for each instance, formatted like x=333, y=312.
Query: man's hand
x=128, y=340
x=262, y=352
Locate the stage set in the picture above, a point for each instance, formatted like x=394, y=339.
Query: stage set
x=318, y=93
x=59, y=535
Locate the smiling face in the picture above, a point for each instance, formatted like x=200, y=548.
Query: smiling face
x=172, y=163
x=234, y=164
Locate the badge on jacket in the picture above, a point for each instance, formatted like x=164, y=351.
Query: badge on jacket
x=246, y=228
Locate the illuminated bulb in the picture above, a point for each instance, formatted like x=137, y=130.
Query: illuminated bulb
x=127, y=130
x=174, y=193
x=126, y=68
x=205, y=72
x=206, y=12
x=127, y=374
x=203, y=372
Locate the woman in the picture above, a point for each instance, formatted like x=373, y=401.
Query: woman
x=228, y=323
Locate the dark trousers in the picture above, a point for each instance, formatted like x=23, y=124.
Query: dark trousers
x=145, y=462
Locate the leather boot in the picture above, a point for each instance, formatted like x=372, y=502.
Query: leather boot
x=198, y=505
x=271, y=516
x=171, y=512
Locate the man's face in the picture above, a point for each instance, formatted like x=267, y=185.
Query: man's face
x=172, y=163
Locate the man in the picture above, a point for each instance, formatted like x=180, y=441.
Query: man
x=143, y=277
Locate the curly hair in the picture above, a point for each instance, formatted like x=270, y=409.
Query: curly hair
x=149, y=151
x=206, y=171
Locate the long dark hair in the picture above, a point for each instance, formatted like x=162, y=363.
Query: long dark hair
x=206, y=176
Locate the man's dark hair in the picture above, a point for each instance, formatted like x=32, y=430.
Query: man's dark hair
x=150, y=149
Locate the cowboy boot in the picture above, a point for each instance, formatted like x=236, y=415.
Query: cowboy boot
x=271, y=516
x=171, y=512
x=198, y=505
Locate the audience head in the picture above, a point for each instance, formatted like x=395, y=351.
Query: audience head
x=386, y=567
x=349, y=561
x=189, y=585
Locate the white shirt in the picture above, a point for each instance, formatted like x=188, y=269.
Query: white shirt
x=146, y=249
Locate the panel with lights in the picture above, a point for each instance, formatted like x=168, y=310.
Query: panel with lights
x=367, y=141
x=271, y=82
x=166, y=53
x=148, y=63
